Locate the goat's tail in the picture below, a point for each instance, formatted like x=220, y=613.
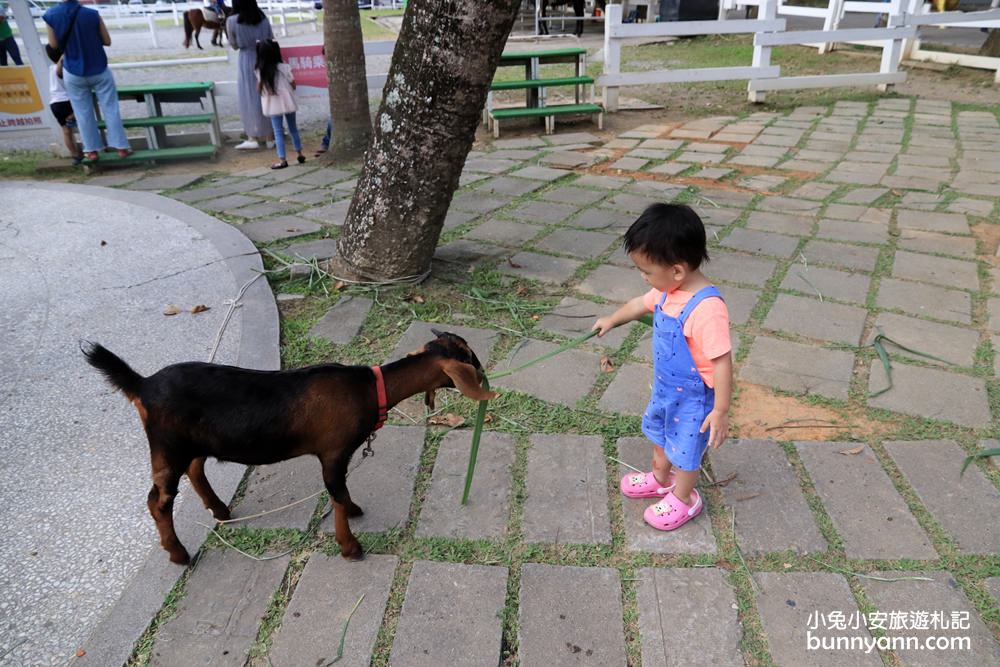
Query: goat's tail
x=115, y=370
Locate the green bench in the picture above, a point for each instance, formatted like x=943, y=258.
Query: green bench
x=542, y=83
x=535, y=87
x=548, y=113
x=161, y=121
x=151, y=155
x=158, y=143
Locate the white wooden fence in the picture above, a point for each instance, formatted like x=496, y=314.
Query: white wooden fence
x=835, y=11
x=770, y=31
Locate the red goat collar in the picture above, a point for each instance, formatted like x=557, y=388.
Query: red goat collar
x=383, y=410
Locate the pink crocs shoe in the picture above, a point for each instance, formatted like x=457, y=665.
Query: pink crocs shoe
x=671, y=513
x=644, y=485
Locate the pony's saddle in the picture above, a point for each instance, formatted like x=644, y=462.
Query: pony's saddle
x=209, y=15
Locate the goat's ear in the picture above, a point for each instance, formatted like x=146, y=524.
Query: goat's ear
x=429, y=399
x=420, y=350
x=466, y=380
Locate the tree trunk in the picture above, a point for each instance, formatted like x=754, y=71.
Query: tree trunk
x=346, y=77
x=441, y=71
x=991, y=47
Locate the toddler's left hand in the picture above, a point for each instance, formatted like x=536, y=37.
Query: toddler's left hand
x=718, y=422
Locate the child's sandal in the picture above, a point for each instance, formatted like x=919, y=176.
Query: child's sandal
x=644, y=485
x=670, y=513
x=280, y=165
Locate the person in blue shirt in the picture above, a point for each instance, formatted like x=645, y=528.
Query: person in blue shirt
x=86, y=73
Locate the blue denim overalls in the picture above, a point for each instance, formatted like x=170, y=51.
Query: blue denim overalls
x=680, y=400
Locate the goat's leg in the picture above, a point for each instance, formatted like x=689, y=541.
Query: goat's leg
x=196, y=473
x=161, y=507
x=335, y=479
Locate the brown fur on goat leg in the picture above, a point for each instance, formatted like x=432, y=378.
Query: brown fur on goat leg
x=192, y=411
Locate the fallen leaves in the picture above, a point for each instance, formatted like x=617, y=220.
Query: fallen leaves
x=447, y=419
x=80, y=653
x=607, y=366
x=723, y=482
x=854, y=451
x=170, y=310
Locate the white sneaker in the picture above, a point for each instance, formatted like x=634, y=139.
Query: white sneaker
x=270, y=144
x=248, y=145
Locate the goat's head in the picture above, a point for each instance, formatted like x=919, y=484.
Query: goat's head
x=458, y=364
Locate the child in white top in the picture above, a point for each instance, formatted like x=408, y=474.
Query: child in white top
x=63, y=111
x=277, y=99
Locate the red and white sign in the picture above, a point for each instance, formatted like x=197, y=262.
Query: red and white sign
x=309, y=69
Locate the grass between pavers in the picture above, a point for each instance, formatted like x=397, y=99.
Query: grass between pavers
x=487, y=298
x=143, y=649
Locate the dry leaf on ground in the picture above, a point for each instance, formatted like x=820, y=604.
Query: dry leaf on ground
x=853, y=451
x=171, y=309
x=200, y=308
x=607, y=366
x=446, y=419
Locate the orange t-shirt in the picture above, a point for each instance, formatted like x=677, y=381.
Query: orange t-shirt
x=706, y=329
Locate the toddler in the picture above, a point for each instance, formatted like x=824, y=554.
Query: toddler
x=276, y=86
x=692, y=360
x=61, y=108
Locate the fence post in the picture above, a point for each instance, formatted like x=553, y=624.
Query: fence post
x=767, y=11
x=151, y=20
x=892, y=50
x=724, y=7
x=284, y=26
x=835, y=10
x=612, y=54
x=173, y=10
x=914, y=8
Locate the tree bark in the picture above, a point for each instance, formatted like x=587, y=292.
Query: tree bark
x=991, y=47
x=346, y=78
x=441, y=71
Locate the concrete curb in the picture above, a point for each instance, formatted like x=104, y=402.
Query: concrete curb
x=114, y=638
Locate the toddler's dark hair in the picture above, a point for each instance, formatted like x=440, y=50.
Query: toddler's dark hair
x=268, y=59
x=668, y=234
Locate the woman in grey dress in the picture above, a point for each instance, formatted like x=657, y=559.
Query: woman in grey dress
x=247, y=26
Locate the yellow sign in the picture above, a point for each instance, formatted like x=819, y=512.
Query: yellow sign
x=21, y=105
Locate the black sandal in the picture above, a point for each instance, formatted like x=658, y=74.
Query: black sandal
x=301, y=159
x=280, y=165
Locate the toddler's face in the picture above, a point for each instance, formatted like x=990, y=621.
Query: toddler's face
x=663, y=277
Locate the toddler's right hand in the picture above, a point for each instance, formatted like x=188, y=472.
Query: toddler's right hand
x=603, y=325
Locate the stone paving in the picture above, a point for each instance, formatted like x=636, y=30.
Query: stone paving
x=827, y=225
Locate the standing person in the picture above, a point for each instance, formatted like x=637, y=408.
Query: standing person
x=86, y=73
x=276, y=87
x=7, y=43
x=692, y=360
x=247, y=26
x=670, y=10
x=61, y=108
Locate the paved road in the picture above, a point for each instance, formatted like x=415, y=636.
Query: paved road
x=75, y=463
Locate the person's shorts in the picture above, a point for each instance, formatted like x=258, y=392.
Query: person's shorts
x=62, y=111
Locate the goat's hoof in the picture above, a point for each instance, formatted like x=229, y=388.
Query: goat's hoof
x=222, y=514
x=180, y=557
x=354, y=511
x=355, y=553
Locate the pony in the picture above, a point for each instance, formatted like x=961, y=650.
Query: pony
x=194, y=21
